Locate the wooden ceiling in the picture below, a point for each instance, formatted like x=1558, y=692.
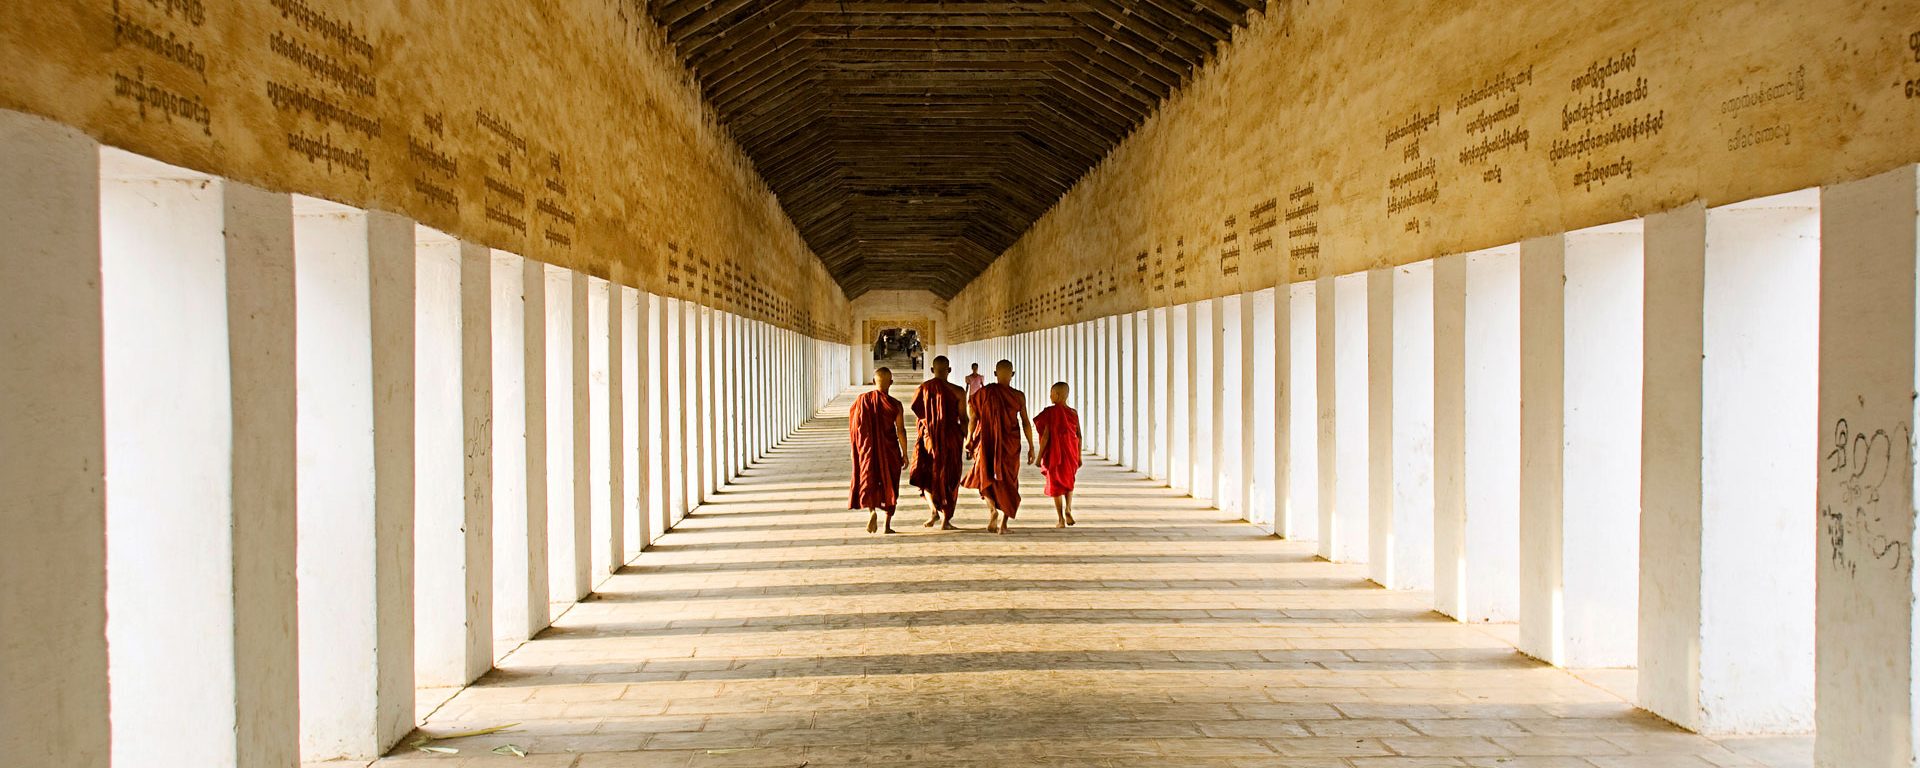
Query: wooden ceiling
x=913, y=142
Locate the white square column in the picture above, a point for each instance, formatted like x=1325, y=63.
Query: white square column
x=1864, y=604
x=196, y=299
x=53, y=506
x=561, y=423
x=1204, y=384
x=1113, y=437
x=536, y=318
x=354, y=277
x=710, y=405
x=1476, y=310
x=453, y=512
x=1302, y=521
x=1273, y=348
x=514, y=578
x=1180, y=398
x=686, y=409
x=1379, y=428
x=1406, y=546
x=1160, y=427
x=1725, y=555
x=1237, y=412
x=1580, y=330
x=1139, y=403
x=621, y=452
x=1344, y=421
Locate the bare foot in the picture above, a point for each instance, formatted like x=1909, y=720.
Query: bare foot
x=930, y=523
x=890, y=528
x=947, y=525
x=1061, y=523
x=1069, y=518
x=993, y=522
x=873, y=521
x=1006, y=527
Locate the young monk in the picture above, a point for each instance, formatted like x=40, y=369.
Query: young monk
x=941, y=418
x=999, y=418
x=1059, y=459
x=878, y=428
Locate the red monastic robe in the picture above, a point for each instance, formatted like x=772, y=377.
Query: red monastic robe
x=876, y=452
x=1059, y=427
x=995, y=440
x=936, y=455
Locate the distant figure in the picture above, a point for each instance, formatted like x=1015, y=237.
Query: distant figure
x=974, y=382
x=1059, y=428
x=942, y=419
x=878, y=428
x=999, y=418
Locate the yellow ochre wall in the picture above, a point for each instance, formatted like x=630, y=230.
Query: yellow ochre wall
x=1333, y=137
x=563, y=131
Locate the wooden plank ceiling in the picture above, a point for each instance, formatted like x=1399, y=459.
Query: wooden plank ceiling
x=913, y=142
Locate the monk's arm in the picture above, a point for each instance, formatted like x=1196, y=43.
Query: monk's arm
x=1026, y=425
x=1042, y=448
x=900, y=431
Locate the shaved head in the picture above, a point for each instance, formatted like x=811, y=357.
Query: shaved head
x=939, y=367
x=1003, y=371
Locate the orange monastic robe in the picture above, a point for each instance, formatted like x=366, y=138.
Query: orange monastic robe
x=936, y=456
x=1059, y=426
x=995, y=441
x=876, y=452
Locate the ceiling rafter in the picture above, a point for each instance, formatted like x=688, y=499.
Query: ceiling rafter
x=913, y=141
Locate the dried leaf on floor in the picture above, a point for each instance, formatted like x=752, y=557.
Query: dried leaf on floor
x=509, y=749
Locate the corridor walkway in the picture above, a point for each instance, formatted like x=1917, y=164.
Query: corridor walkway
x=768, y=629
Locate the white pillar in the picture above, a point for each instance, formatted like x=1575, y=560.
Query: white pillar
x=1159, y=419
x=1344, y=424
x=1240, y=414
x=1725, y=555
x=1477, y=434
x=1864, y=604
x=354, y=279
x=619, y=442
x=169, y=458
x=561, y=423
x=1408, y=545
x=1180, y=398
x=512, y=576
x=534, y=322
x=1379, y=341
x=637, y=446
x=1129, y=399
x=453, y=640
x=1304, y=426
x=660, y=419
x=694, y=406
x=1580, y=299
x=1206, y=385
x=594, y=436
x=53, y=580
x=584, y=457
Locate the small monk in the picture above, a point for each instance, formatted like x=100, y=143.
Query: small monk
x=1059, y=460
x=878, y=427
x=999, y=418
x=941, y=418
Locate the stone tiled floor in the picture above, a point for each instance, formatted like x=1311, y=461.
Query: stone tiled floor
x=769, y=629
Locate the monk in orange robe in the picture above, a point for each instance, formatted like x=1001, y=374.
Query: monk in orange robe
x=1059, y=428
x=999, y=418
x=878, y=427
x=941, y=416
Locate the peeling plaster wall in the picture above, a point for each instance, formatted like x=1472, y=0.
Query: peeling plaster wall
x=1331, y=137
x=564, y=132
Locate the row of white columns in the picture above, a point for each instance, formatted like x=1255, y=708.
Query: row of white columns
x=1682, y=444
x=269, y=464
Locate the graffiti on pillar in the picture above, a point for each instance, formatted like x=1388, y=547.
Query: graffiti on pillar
x=1605, y=118
x=1872, y=472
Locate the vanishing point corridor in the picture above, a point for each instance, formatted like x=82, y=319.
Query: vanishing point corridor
x=769, y=629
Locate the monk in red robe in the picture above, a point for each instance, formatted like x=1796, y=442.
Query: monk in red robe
x=878, y=427
x=1059, y=460
x=941, y=416
x=999, y=418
